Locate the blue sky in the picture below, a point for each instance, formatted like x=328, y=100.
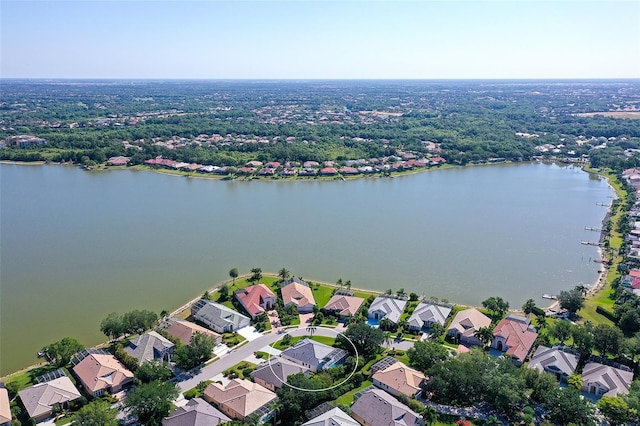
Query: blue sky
x=320, y=39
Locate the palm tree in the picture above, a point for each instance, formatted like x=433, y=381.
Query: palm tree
x=312, y=330
x=401, y=293
x=541, y=321
x=274, y=406
x=484, y=334
x=233, y=273
x=583, y=289
x=386, y=324
x=387, y=338
x=339, y=282
x=284, y=274
x=529, y=306
x=348, y=284
x=437, y=330
x=256, y=274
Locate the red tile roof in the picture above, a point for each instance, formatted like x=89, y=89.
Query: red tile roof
x=253, y=297
x=519, y=337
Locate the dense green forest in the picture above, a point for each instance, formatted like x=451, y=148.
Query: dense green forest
x=228, y=123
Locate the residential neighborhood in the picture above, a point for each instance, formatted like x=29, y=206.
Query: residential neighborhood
x=248, y=375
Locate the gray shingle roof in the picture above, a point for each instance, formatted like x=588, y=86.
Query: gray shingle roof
x=197, y=412
x=376, y=407
x=276, y=370
x=335, y=417
x=554, y=360
x=218, y=316
x=391, y=307
x=428, y=312
x=149, y=346
x=314, y=354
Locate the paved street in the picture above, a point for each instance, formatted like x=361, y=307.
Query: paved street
x=230, y=359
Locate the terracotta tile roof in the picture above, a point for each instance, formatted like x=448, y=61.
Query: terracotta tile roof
x=519, y=337
x=297, y=293
x=39, y=399
x=240, y=396
x=254, y=297
x=99, y=371
x=401, y=378
x=344, y=305
x=468, y=321
x=5, y=408
x=184, y=330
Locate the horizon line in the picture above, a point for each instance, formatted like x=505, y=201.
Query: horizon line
x=324, y=79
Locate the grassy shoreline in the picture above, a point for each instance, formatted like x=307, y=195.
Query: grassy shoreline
x=602, y=292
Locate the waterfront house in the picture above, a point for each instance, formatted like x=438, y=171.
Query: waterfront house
x=385, y=306
x=328, y=171
x=314, y=355
x=184, y=330
x=39, y=400
x=333, y=417
x=256, y=299
x=273, y=372
x=555, y=361
x=515, y=336
x=465, y=324
x=218, y=317
x=344, y=306
x=427, y=314
x=375, y=407
x=149, y=347
x=118, y=161
x=197, y=412
x=398, y=379
x=240, y=398
x=346, y=170
x=297, y=292
x=99, y=373
x=604, y=380
x=5, y=408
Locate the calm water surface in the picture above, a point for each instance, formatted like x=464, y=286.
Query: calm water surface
x=76, y=246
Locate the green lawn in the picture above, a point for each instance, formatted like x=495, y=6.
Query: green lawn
x=347, y=398
x=329, y=341
x=588, y=313
x=238, y=369
x=322, y=294
x=24, y=379
x=322, y=339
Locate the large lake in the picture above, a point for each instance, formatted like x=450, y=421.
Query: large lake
x=77, y=245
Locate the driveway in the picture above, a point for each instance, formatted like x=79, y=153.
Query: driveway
x=230, y=359
x=305, y=319
x=249, y=333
